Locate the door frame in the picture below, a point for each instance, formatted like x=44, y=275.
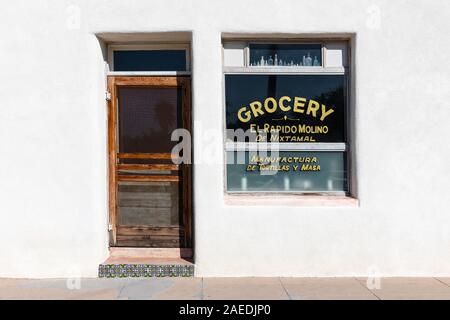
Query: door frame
x=113, y=82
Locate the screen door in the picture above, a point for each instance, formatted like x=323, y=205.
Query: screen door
x=149, y=194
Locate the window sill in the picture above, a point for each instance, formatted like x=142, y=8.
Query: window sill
x=290, y=200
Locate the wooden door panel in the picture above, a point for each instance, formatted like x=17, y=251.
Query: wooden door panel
x=150, y=240
x=150, y=200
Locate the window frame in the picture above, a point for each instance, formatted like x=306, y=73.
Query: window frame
x=344, y=147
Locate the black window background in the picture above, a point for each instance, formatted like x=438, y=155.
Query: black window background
x=329, y=90
x=150, y=60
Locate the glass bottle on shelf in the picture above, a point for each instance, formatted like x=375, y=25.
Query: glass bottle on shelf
x=270, y=61
x=309, y=60
x=316, y=61
x=304, y=60
x=244, y=183
x=286, y=183
x=262, y=61
x=275, y=61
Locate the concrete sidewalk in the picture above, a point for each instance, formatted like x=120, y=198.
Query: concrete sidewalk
x=227, y=288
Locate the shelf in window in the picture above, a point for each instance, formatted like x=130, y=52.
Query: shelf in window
x=285, y=70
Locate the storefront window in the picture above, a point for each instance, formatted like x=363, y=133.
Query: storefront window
x=286, y=131
x=288, y=171
x=306, y=108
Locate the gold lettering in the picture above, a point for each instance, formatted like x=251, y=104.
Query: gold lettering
x=256, y=108
x=274, y=105
x=244, y=111
x=325, y=113
x=282, y=106
x=313, y=106
x=299, y=104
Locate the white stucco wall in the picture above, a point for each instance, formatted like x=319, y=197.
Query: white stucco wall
x=53, y=200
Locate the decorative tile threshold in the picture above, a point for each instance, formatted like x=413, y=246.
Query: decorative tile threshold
x=145, y=270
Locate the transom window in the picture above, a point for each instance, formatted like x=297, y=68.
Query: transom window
x=286, y=116
x=285, y=54
x=142, y=58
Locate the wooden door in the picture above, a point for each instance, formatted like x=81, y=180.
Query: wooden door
x=149, y=195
